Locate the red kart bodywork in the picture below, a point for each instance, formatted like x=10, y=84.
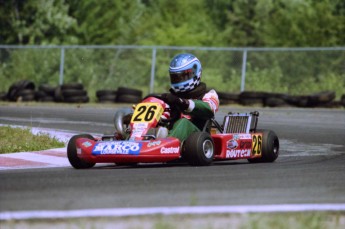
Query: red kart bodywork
x=255, y=145
x=158, y=150
x=227, y=147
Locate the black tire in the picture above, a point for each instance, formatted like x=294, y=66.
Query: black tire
x=47, y=99
x=76, y=86
x=252, y=95
x=40, y=94
x=228, y=96
x=73, y=92
x=16, y=88
x=320, y=98
x=129, y=91
x=270, y=147
x=109, y=98
x=58, y=97
x=3, y=96
x=26, y=92
x=342, y=100
x=198, y=149
x=251, y=101
x=128, y=98
x=72, y=156
x=24, y=84
x=101, y=93
x=298, y=100
x=77, y=99
x=47, y=89
x=27, y=98
x=275, y=102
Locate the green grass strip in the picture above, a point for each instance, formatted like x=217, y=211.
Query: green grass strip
x=22, y=140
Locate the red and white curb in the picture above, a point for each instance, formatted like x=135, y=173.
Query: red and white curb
x=40, y=159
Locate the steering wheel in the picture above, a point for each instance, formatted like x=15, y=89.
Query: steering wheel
x=175, y=112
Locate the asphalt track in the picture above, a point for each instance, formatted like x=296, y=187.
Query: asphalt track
x=309, y=170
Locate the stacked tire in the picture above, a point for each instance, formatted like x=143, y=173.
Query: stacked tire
x=3, y=96
x=71, y=93
x=228, y=98
x=342, y=100
x=23, y=90
x=128, y=95
x=106, y=96
x=321, y=99
x=276, y=100
x=252, y=98
x=45, y=93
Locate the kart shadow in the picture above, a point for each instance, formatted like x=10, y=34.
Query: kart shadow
x=169, y=164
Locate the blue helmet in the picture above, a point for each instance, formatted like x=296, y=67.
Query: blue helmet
x=185, y=72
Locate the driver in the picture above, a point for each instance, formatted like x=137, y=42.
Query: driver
x=190, y=96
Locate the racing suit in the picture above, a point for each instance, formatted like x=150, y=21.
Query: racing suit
x=201, y=107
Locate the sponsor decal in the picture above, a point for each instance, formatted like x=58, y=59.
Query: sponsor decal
x=170, y=150
x=242, y=136
x=140, y=125
x=232, y=144
x=154, y=143
x=245, y=144
x=117, y=147
x=238, y=153
x=86, y=144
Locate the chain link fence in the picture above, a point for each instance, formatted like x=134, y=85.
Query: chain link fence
x=284, y=70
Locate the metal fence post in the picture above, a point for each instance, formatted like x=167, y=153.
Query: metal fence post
x=153, y=66
x=62, y=62
x=244, y=63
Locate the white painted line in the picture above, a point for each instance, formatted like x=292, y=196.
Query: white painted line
x=196, y=210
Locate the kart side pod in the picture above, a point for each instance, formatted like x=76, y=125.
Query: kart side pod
x=239, y=138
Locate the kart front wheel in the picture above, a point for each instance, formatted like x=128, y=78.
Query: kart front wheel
x=73, y=158
x=198, y=149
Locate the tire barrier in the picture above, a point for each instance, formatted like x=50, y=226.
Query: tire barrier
x=24, y=90
x=121, y=95
x=128, y=95
x=45, y=93
x=106, y=96
x=324, y=99
x=71, y=93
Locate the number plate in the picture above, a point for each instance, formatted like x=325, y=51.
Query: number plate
x=257, y=144
x=147, y=112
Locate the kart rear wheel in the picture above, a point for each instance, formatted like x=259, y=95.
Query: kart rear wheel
x=73, y=158
x=270, y=147
x=198, y=149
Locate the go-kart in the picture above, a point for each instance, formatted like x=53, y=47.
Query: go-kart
x=141, y=136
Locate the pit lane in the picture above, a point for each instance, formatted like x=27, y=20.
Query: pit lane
x=310, y=169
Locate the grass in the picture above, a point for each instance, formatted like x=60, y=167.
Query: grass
x=22, y=140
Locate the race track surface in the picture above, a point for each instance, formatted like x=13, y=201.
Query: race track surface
x=309, y=170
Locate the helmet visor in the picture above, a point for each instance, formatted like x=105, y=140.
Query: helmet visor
x=178, y=77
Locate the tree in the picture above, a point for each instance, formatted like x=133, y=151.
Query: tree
x=36, y=22
x=305, y=23
x=108, y=22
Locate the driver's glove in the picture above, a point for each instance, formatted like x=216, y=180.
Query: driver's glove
x=171, y=99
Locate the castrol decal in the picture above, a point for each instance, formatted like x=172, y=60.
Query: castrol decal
x=170, y=150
